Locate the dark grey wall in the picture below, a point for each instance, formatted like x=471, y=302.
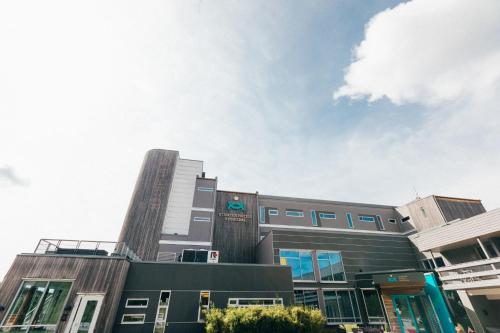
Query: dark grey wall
x=141, y=230
x=186, y=280
x=236, y=240
x=360, y=252
x=90, y=274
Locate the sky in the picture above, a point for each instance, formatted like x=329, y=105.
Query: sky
x=368, y=101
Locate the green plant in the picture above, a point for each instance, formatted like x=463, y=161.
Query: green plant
x=259, y=319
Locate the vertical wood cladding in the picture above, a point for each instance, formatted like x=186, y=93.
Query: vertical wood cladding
x=453, y=208
x=90, y=275
x=236, y=231
x=141, y=230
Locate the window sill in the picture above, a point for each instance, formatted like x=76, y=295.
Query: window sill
x=307, y=281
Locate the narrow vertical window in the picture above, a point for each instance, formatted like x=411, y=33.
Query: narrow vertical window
x=314, y=219
x=262, y=215
x=350, y=225
x=161, y=313
x=379, y=223
x=204, y=305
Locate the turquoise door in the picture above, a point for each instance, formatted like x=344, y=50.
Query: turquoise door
x=415, y=314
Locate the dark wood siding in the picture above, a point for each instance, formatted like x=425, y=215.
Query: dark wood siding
x=236, y=240
x=141, y=230
x=453, y=209
x=90, y=275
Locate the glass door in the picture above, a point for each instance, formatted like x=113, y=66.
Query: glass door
x=415, y=314
x=84, y=315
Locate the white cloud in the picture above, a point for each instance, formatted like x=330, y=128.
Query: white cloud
x=428, y=52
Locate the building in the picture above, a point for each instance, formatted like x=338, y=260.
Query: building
x=186, y=246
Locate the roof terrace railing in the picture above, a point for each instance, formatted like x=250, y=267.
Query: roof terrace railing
x=85, y=247
x=473, y=274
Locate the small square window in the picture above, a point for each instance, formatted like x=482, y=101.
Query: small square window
x=273, y=212
x=393, y=221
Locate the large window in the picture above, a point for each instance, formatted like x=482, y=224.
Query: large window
x=341, y=306
x=161, y=313
x=246, y=302
x=373, y=306
x=308, y=298
x=38, y=304
x=330, y=266
x=301, y=263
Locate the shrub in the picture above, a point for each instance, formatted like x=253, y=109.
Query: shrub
x=259, y=319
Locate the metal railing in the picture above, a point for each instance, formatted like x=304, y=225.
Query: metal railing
x=85, y=247
x=473, y=274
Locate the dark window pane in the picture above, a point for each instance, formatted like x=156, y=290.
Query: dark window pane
x=188, y=256
x=52, y=305
x=201, y=256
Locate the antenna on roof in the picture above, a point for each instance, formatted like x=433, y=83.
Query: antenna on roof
x=416, y=193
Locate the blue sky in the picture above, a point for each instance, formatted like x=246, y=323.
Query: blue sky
x=362, y=101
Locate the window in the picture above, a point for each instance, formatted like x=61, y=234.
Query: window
x=38, y=304
x=137, y=303
x=439, y=262
x=330, y=266
x=393, y=221
x=341, y=306
x=262, y=215
x=379, y=223
x=205, y=189
x=161, y=314
x=273, y=212
x=350, y=225
x=428, y=264
x=327, y=216
x=314, y=219
x=204, y=305
x=294, y=213
x=202, y=219
x=246, y=302
x=194, y=255
x=301, y=263
x=307, y=298
x=373, y=306
x=137, y=318
x=366, y=218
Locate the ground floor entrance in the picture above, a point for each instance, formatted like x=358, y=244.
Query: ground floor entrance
x=416, y=314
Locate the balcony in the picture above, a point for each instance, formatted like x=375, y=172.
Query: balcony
x=474, y=274
x=84, y=248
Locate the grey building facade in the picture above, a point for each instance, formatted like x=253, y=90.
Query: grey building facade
x=186, y=246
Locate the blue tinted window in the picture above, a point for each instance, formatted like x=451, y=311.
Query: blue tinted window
x=273, y=212
x=366, y=218
x=350, y=225
x=314, y=220
x=301, y=263
x=327, y=216
x=262, y=213
x=294, y=213
x=330, y=266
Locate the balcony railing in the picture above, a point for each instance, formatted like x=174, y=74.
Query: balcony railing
x=85, y=248
x=473, y=274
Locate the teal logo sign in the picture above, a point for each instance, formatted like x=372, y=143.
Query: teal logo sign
x=392, y=279
x=235, y=204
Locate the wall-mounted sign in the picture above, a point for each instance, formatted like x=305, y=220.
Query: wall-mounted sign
x=235, y=204
x=213, y=257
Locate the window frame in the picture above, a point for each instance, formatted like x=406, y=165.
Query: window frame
x=341, y=261
x=312, y=258
x=350, y=222
x=382, y=306
x=275, y=211
x=135, y=322
x=206, y=219
x=18, y=292
x=201, y=307
x=137, y=306
x=362, y=218
x=322, y=216
x=303, y=290
x=360, y=318
x=158, y=307
x=300, y=212
x=237, y=299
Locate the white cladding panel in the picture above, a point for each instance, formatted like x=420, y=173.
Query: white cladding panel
x=180, y=201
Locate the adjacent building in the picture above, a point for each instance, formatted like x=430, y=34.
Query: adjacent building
x=186, y=246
